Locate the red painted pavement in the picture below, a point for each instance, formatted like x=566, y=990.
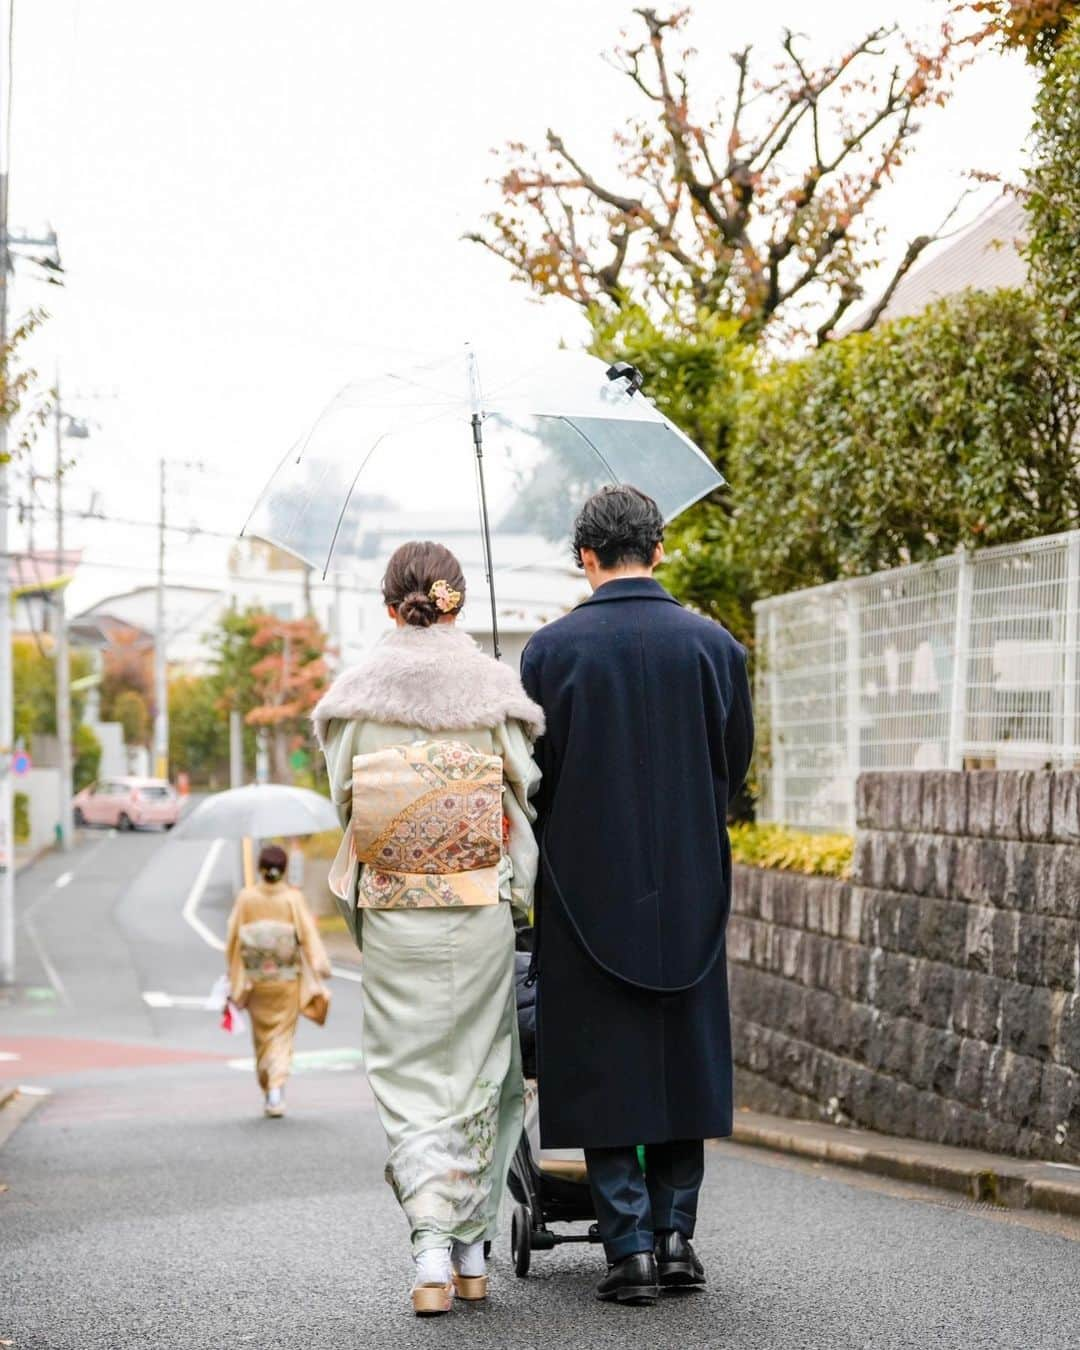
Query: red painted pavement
x=45, y=1056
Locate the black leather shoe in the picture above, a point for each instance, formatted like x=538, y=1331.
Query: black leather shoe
x=631, y=1280
x=676, y=1262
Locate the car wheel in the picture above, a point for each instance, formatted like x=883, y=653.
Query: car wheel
x=521, y=1240
x=169, y=824
x=78, y=819
x=124, y=823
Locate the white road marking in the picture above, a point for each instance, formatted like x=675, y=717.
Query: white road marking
x=29, y=1091
x=64, y=880
x=191, y=904
x=343, y=973
x=155, y=998
x=342, y=1060
x=51, y=973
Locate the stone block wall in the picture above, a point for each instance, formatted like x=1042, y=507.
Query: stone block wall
x=937, y=994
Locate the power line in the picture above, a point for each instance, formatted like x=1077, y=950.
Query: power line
x=193, y=531
x=222, y=582
x=131, y=522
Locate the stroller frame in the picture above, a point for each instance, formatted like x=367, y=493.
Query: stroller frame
x=543, y=1198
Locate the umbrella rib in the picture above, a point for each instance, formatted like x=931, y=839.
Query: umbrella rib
x=258, y=500
x=595, y=449
x=306, y=440
x=348, y=498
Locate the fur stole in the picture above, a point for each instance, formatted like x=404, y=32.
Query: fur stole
x=434, y=678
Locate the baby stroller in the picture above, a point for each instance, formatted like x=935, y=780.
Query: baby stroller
x=550, y=1185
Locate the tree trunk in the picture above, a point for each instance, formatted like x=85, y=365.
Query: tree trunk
x=282, y=771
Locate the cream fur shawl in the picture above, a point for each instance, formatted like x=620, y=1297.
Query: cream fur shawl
x=434, y=678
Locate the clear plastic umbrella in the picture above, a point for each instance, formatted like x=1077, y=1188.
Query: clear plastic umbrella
x=495, y=468
x=261, y=811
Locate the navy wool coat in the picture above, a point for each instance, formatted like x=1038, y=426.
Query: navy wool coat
x=649, y=734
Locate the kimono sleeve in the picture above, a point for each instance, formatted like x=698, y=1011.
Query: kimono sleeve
x=234, y=961
x=339, y=758
x=522, y=779
x=309, y=936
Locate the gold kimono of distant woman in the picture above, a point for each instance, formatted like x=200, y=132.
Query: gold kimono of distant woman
x=276, y=964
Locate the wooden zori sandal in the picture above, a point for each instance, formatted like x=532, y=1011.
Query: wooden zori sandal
x=430, y=1300
x=470, y=1287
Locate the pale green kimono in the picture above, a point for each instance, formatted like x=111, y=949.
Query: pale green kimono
x=440, y=1026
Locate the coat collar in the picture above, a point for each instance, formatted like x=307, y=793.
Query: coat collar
x=629, y=588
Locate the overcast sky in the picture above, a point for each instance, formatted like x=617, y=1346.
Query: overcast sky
x=259, y=199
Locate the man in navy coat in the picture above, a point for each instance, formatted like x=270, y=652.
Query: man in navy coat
x=649, y=735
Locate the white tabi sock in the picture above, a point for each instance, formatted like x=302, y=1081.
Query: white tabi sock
x=433, y=1266
x=469, y=1258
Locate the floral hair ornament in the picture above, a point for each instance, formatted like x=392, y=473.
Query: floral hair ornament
x=444, y=597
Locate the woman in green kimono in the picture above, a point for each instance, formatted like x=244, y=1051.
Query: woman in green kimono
x=428, y=746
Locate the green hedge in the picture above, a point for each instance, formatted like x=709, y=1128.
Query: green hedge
x=941, y=430
x=818, y=855
x=22, y=818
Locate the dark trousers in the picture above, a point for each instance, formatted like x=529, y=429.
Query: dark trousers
x=631, y=1207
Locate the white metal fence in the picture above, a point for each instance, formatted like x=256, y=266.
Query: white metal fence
x=970, y=660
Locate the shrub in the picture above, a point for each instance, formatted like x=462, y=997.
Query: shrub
x=87, y=757
x=130, y=710
x=818, y=855
x=1053, y=205
x=22, y=818
x=940, y=430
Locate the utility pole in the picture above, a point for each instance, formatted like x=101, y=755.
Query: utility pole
x=63, y=660
x=7, y=690
x=161, y=680
x=161, y=665
x=7, y=712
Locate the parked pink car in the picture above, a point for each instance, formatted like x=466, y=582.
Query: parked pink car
x=127, y=803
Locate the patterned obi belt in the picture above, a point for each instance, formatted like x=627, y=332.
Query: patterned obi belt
x=427, y=825
x=269, y=950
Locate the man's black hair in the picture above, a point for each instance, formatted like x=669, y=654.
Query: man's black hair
x=621, y=525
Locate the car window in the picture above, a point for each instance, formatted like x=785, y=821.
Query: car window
x=154, y=793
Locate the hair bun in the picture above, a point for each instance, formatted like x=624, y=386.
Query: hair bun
x=418, y=610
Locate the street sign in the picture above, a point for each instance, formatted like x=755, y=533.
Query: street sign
x=21, y=763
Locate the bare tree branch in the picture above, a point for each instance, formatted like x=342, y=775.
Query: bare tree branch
x=911, y=256
x=757, y=215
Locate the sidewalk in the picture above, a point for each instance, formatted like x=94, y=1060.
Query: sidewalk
x=990, y=1178
x=26, y=857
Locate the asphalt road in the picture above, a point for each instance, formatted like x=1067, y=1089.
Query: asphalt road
x=149, y=1204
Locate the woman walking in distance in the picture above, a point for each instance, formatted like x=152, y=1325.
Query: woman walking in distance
x=276, y=963
x=428, y=745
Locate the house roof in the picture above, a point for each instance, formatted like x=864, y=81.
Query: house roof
x=42, y=571
x=983, y=257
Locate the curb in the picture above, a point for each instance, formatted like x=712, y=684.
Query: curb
x=32, y=859
x=987, y=1178
x=17, y=1106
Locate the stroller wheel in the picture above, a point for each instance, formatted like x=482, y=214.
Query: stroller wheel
x=521, y=1240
